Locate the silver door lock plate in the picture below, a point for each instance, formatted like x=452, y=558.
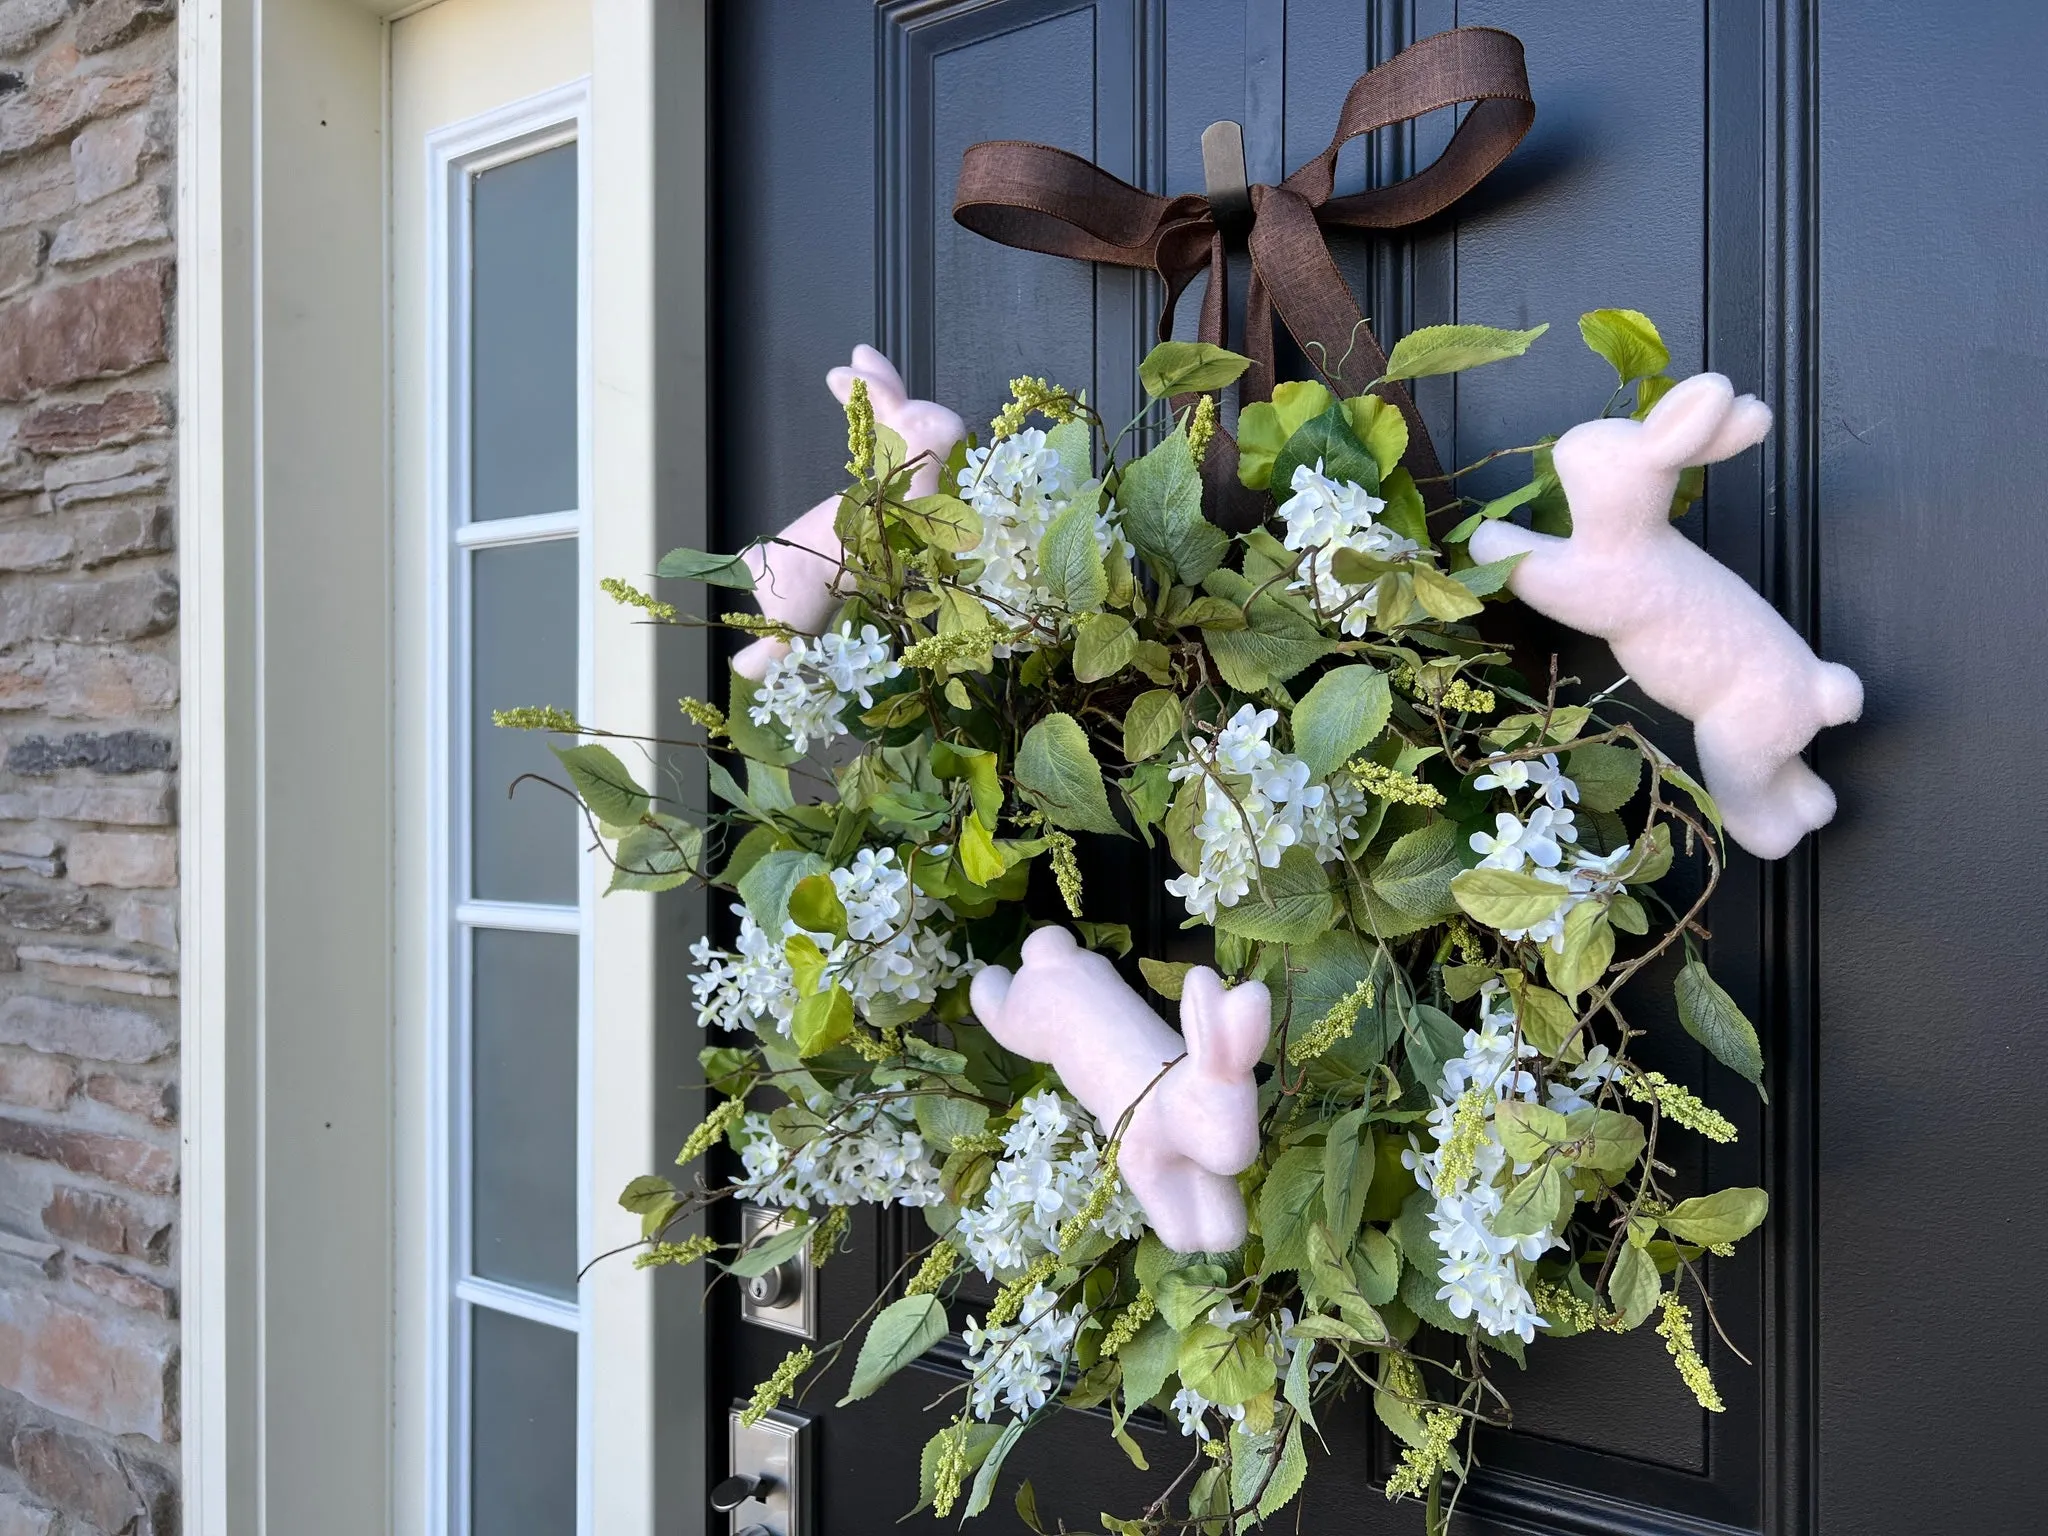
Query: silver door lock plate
x=786, y=1298
x=767, y=1491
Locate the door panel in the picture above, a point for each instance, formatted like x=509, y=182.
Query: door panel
x=827, y=239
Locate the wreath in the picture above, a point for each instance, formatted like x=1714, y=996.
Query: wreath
x=1405, y=1133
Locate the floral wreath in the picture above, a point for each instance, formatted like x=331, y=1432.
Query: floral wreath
x=1447, y=879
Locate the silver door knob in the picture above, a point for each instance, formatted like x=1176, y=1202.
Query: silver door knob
x=736, y=1490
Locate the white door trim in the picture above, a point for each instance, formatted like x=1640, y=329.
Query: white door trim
x=264, y=85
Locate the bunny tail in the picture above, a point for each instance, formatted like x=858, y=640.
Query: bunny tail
x=1838, y=694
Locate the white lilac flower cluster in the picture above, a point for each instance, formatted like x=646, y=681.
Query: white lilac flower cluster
x=1017, y=1365
x=868, y=1152
x=1051, y=1160
x=1257, y=802
x=1324, y=516
x=805, y=690
x=893, y=952
x=1484, y=1274
x=1543, y=842
x=1018, y=486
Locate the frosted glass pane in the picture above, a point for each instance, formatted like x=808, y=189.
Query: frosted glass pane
x=523, y=337
x=523, y=629
x=523, y=1079
x=523, y=1427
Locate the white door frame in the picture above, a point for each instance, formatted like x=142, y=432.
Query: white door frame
x=295, y=1404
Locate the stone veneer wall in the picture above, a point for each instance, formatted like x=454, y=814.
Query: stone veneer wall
x=88, y=746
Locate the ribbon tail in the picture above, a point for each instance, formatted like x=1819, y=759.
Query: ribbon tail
x=1292, y=262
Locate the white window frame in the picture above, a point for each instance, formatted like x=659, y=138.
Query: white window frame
x=456, y=154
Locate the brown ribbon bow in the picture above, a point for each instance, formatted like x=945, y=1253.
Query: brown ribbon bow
x=1039, y=198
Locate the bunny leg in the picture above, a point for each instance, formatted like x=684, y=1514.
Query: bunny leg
x=1766, y=805
x=1189, y=1209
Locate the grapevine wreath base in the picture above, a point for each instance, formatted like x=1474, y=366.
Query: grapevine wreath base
x=1404, y=1134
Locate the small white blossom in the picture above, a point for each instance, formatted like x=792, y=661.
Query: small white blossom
x=1050, y=1164
x=1324, y=516
x=1018, y=1365
x=1018, y=486
x=867, y=1152
x=806, y=690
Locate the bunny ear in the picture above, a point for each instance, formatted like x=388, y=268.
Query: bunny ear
x=1226, y=1032
x=1682, y=426
x=1748, y=423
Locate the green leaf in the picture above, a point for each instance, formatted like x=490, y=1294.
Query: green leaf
x=1227, y=1368
x=1327, y=445
x=772, y=1252
x=1441, y=597
x=1149, y=1359
x=1339, y=717
x=1404, y=512
x=1605, y=1140
x=940, y=522
x=1710, y=1016
x=1671, y=773
x=1027, y=1505
x=1506, y=898
x=1104, y=644
x=1452, y=348
x=1379, y=425
x=1109, y=938
x=698, y=565
x=979, y=769
x=1287, y=1477
x=1186, y=1293
x=1150, y=723
x=658, y=857
x=1485, y=580
x=1588, y=950
x=1298, y=903
x=1280, y=639
x=1607, y=776
x=1632, y=1284
x=1058, y=773
x=1547, y=1020
x=902, y=1332
x=1378, y=1264
x=821, y=1021
x=943, y=1119
x=1627, y=339
x=1289, y=1203
x=985, y=1475
x=979, y=857
x=1416, y=874
x=1189, y=367
x=1529, y=1132
x=646, y=1193
x=1530, y=1206
x=1722, y=1217
x=815, y=906
x=1347, y=1174
x=1160, y=496
x=1321, y=975
x=1166, y=977
x=604, y=784
x=766, y=887
x=1501, y=506
x=1071, y=563
x=1264, y=427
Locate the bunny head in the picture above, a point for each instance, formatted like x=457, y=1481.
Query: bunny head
x=1619, y=475
x=925, y=426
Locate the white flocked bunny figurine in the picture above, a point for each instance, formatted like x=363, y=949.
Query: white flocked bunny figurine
x=1692, y=634
x=797, y=575
x=1198, y=1126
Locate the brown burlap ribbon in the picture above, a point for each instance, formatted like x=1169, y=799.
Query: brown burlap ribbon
x=1044, y=199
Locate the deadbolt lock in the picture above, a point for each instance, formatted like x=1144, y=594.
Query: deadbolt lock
x=785, y=1298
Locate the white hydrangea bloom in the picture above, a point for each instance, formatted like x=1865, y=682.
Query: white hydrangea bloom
x=1050, y=1163
x=1018, y=486
x=1264, y=805
x=1324, y=516
x=1193, y=1410
x=1483, y=1275
x=868, y=1152
x=1018, y=1365
x=894, y=950
x=806, y=690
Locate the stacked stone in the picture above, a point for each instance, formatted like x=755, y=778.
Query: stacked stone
x=88, y=726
